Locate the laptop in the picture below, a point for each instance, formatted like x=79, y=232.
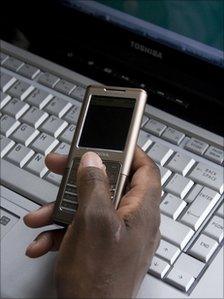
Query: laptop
x=50, y=52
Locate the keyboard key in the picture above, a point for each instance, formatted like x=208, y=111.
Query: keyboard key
x=68, y=134
x=215, y=154
x=6, y=81
x=189, y=264
x=54, y=178
x=160, y=153
x=62, y=149
x=72, y=115
x=39, y=98
x=44, y=144
x=8, y=125
x=15, y=108
x=7, y=221
x=3, y=57
x=155, y=127
x=144, y=120
x=144, y=140
x=29, y=71
x=193, y=193
x=175, y=232
x=220, y=211
x=203, y=248
x=172, y=206
x=179, y=185
x=41, y=192
x=20, y=90
x=165, y=174
x=20, y=155
x=25, y=134
x=158, y=267
x=54, y=126
x=37, y=165
x=78, y=93
x=180, y=279
x=181, y=163
x=5, y=145
x=48, y=79
x=172, y=135
x=64, y=86
x=168, y=251
x=34, y=117
x=209, y=176
x=12, y=64
x=200, y=208
x=58, y=106
x=214, y=229
x=5, y=98
x=196, y=146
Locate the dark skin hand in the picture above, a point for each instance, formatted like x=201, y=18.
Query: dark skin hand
x=104, y=253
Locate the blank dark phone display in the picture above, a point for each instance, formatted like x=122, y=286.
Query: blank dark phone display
x=107, y=123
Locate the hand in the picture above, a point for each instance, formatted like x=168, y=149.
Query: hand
x=104, y=253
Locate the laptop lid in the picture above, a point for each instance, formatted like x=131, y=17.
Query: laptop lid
x=173, y=49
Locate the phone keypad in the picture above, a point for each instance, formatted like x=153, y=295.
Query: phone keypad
x=71, y=188
x=69, y=206
x=70, y=198
x=112, y=169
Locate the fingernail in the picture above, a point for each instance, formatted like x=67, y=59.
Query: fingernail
x=31, y=246
x=34, y=212
x=91, y=159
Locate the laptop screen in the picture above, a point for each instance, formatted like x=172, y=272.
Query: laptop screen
x=194, y=27
x=172, y=49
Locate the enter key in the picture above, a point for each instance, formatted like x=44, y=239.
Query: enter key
x=200, y=208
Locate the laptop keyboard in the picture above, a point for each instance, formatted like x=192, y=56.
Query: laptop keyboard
x=39, y=111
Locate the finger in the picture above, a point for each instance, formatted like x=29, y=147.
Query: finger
x=92, y=182
x=46, y=241
x=140, y=159
x=40, y=217
x=145, y=186
x=146, y=172
x=56, y=163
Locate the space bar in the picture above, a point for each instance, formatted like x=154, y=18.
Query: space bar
x=27, y=184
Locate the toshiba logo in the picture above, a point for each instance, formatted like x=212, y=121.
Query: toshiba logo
x=147, y=50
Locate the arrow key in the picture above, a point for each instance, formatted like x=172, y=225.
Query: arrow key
x=180, y=279
x=158, y=267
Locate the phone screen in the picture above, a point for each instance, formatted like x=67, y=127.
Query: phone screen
x=107, y=123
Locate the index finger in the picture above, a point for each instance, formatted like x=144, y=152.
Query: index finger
x=145, y=185
x=143, y=164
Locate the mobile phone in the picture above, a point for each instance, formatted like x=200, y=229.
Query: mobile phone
x=108, y=124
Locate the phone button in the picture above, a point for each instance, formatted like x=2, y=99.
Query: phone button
x=70, y=196
x=113, y=170
x=69, y=206
x=73, y=172
x=71, y=188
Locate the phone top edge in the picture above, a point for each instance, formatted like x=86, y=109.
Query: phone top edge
x=113, y=89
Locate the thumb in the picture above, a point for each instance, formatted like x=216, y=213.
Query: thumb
x=92, y=183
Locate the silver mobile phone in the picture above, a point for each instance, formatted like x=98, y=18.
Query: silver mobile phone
x=108, y=124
